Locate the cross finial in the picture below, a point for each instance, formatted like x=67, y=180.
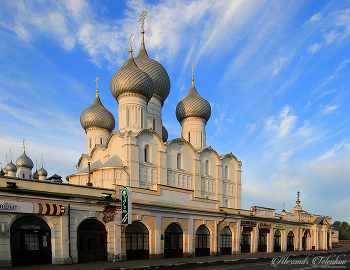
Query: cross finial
x=298, y=195
x=283, y=206
x=24, y=145
x=142, y=19
x=96, y=80
x=193, y=66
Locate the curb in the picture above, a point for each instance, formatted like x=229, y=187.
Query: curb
x=225, y=262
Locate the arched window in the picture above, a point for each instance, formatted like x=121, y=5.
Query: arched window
x=178, y=161
x=226, y=203
x=146, y=153
x=201, y=139
x=100, y=140
x=207, y=167
x=189, y=136
x=90, y=142
x=154, y=124
x=226, y=172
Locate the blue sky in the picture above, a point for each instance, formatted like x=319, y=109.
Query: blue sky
x=276, y=74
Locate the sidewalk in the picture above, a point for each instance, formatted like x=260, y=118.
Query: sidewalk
x=139, y=264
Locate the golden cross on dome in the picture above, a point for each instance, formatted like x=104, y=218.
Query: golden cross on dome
x=193, y=66
x=142, y=18
x=96, y=80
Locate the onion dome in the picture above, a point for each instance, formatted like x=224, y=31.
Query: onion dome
x=164, y=134
x=24, y=161
x=157, y=73
x=35, y=175
x=97, y=116
x=193, y=105
x=42, y=172
x=130, y=79
x=10, y=167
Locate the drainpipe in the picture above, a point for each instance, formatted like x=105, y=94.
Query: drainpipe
x=217, y=232
x=89, y=184
x=128, y=175
x=69, y=251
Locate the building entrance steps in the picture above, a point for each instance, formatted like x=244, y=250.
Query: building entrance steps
x=162, y=263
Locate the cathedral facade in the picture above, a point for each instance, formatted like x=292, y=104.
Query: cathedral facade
x=186, y=198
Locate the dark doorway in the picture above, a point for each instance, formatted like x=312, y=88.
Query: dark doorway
x=262, y=240
x=136, y=235
x=92, y=241
x=277, y=241
x=290, y=241
x=30, y=241
x=173, y=245
x=226, y=241
x=202, y=241
x=245, y=240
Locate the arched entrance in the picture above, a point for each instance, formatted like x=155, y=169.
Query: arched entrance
x=226, y=241
x=30, y=241
x=173, y=245
x=136, y=236
x=262, y=241
x=290, y=241
x=202, y=241
x=277, y=241
x=92, y=241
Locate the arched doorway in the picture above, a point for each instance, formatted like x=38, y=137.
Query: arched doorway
x=173, y=245
x=290, y=241
x=277, y=241
x=226, y=241
x=202, y=241
x=136, y=236
x=30, y=241
x=92, y=241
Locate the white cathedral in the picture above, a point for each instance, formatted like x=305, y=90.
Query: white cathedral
x=138, y=153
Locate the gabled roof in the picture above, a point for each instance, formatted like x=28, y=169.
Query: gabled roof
x=114, y=161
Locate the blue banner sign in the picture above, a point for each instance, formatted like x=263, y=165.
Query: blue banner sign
x=126, y=205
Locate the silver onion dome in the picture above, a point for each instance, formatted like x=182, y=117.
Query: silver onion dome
x=42, y=172
x=193, y=105
x=97, y=116
x=35, y=175
x=10, y=167
x=157, y=73
x=164, y=134
x=130, y=79
x=24, y=161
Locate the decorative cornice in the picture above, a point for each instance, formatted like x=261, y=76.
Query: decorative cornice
x=131, y=94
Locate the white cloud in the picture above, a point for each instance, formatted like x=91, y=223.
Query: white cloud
x=330, y=37
x=251, y=126
x=283, y=124
x=330, y=109
x=314, y=48
x=315, y=17
x=278, y=64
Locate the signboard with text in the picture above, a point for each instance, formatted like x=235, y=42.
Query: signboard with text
x=31, y=207
x=245, y=223
x=126, y=205
x=279, y=226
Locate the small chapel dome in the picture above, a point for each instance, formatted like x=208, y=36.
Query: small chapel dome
x=157, y=73
x=42, y=172
x=10, y=167
x=130, y=79
x=97, y=116
x=193, y=105
x=35, y=175
x=24, y=161
x=164, y=134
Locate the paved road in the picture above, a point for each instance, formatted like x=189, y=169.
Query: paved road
x=336, y=261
